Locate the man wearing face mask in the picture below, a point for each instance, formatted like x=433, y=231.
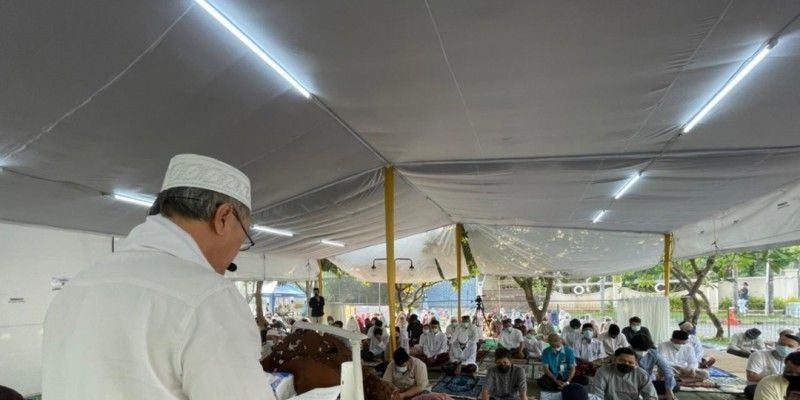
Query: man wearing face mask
x=763, y=363
x=378, y=341
x=511, y=339
x=451, y=328
x=157, y=319
x=588, y=348
x=572, y=332
x=408, y=375
x=744, y=343
x=634, y=328
x=680, y=357
x=650, y=360
x=505, y=381
x=696, y=345
x=612, y=339
x=463, y=349
x=533, y=346
x=559, y=363
x=783, y=386
x=623, y=380
x=432, y=348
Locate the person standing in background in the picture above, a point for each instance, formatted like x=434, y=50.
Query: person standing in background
x=744, y=295
x=317, y=306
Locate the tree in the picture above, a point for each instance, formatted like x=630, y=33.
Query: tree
x=533, y=287
x=259, y=301
x=699, y=300
x=409, y=294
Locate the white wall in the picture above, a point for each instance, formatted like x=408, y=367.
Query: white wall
x=30, y=257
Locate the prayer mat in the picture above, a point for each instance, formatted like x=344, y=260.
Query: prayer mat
x=732, y=385
x=715, y=372
x=461, y=387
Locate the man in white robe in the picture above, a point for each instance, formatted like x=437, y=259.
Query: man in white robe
x=157, y=319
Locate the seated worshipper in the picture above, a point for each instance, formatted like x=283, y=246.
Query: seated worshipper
x=352, y=324
x=505, y=381
x=511, y=339
x=635, y=327
x=476, y=322
x=463, y=350
x=496, y=327
x=330, y=320
x=402, y=332
x=432, y=348
x=545, y=329
x=559, y=362
x=377, y=343
x=408, y=375
x=376, y=324
x=414, y=329
x=697, y=346
x=520, y=326
x=451, y=328
x=779, y=387
x=623, y=380
x=744, y=343
x=400, y=342
x=589, y=348
x=651, y=361
x=763, y=363
x=680, y=357
x=572, y=332
x=612, y=339
x=533, y=346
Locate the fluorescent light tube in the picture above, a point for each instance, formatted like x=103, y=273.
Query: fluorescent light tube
x=740, y=74
x=252, y=46
x=332, y=243
x=272, y=230
x=628, y=185
x=133, y=200
x=598, y=216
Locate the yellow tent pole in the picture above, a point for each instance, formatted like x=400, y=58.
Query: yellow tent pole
x=667, y=261
x=458, y=268
x=388, y=201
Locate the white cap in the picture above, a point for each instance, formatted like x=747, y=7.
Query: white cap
x=191, y=170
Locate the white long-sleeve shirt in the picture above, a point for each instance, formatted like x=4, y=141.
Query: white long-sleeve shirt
x=683, y=358
x=510, y=339
x=742, y=343
x=610, y=345
x=433, y=343
x=697, y=346
x=589, y=350
x=152, y=321
x=463, y=353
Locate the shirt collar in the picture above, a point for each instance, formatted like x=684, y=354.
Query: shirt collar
x=159, y=233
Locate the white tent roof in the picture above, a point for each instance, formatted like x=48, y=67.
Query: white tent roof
x=531, y=114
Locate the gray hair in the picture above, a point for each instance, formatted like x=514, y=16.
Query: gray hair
x=195, y=203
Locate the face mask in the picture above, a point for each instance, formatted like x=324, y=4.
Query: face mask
x=426, y=331
x=613, y=336
x=401, y=370
x=434, y=328
x=783, y=351
x=465, y=324
x=640, y=354
x=636, y=328
x=677, y=346
x=587, y=334
x=504, y=368
x=624, y=368
x=556, y=349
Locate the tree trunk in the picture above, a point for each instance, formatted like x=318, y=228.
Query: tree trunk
x=694, y=292
x=687, y=312
x=526, y=284
x=259, y=300
x=770, y=276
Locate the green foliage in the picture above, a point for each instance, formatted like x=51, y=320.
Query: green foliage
x=780, y=302
x=328, y=266
x=755, y=303
x=725, y=303
x=675, y=303
x=472, y=266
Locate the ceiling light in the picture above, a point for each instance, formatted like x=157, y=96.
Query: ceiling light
x=628, y=185
x=740, y=74
x=598, y=216
x=332, y=243
x=252, y=46
x=272, y=230
x=133, y=200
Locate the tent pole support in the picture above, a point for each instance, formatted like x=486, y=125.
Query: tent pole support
x=458, y=267
x=388, y=201
x=667, y=261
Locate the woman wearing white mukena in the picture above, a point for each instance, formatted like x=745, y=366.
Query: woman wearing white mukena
x=157, y=319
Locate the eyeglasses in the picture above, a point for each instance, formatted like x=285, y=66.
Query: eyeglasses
x=244, y=246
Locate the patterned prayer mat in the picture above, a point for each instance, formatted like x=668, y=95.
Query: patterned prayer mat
x=461, y=387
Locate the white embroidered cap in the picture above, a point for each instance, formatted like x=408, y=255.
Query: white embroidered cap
x=191, y=170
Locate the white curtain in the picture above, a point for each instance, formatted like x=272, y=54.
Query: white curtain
x=654, y=312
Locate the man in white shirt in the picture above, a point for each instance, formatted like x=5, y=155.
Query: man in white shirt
x=744, y=343
x=779, y=387
x=463, y=349
x=533, y=346
x=589, y=348
x=433, y=349
x=511, y=339
x=763, y=363
x=681, y=357
x=613, y=339
x=378, y=342
x=697, y=345
x=157, y=319
x=572, y=332
x=451, y=328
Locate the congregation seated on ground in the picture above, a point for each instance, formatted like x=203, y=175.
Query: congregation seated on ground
x=635, y=328
x=559, y=366
x=623, y=379
x=505, y=381
x=432, y=348
x=763, y=363
x=588, y=348
x=463, y=350
x=408, y=375
x=776, y=387
x=681, y=357
x=696, y=345
x=744, y=343
x=512, y=340
x=571, y=333
x=651, y=361
x=612, y=339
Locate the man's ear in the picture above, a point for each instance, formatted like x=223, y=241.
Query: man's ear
x=221, y=218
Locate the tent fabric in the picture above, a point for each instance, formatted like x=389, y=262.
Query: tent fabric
x=532, y=114
x=265, y=267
